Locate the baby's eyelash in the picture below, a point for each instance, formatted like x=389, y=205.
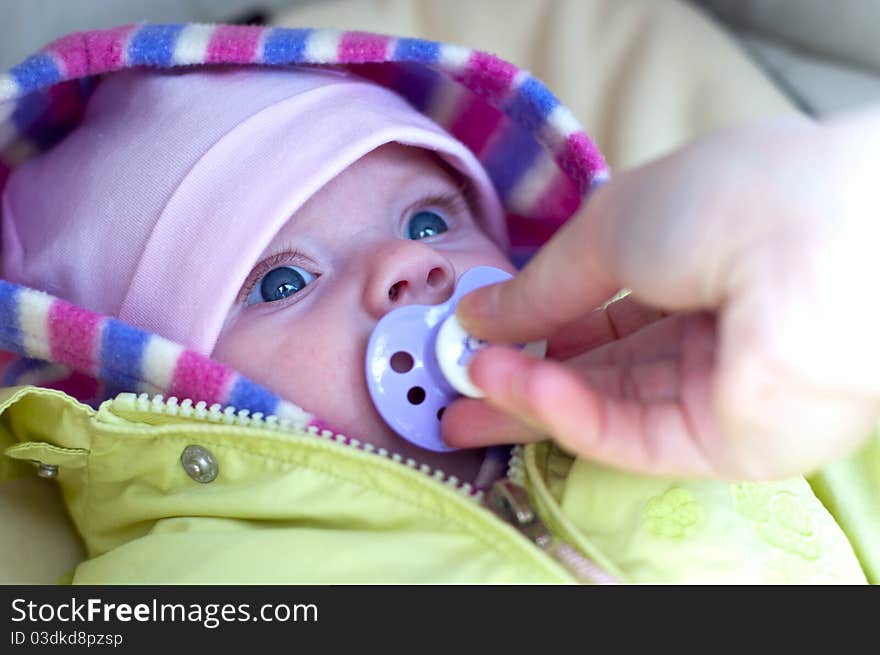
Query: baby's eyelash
x=286, y=257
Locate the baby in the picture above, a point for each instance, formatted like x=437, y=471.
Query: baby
x=266, y=219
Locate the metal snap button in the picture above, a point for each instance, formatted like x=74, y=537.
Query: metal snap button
x=199, y=464
x=48, y=471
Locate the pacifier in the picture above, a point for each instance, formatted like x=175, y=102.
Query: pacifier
x=417, y=362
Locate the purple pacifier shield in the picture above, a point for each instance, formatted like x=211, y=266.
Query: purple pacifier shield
x=404, y=377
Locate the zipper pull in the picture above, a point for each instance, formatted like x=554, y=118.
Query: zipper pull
x=510, y=501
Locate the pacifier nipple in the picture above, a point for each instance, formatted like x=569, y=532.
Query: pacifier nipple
x=417, y=362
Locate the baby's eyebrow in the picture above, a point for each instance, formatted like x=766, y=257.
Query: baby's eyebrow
x=454, y=201
x=468, y=192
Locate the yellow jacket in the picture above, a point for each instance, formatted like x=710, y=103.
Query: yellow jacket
x=279, y=506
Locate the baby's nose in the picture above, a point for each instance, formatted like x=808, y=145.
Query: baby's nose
x=407, y=273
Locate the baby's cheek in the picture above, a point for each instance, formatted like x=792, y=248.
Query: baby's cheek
x=316, y=364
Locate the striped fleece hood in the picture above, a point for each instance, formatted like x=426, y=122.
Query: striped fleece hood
x=539, y=160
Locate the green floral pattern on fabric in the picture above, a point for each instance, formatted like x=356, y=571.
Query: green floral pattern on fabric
x=779, y=518
x=674, y=515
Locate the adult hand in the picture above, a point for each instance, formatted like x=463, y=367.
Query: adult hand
x=749, y=345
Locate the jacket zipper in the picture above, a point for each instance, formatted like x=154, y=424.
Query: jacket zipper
x=229, y=415
x=507, y=498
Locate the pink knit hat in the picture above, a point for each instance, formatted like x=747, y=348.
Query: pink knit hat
x=177, y=181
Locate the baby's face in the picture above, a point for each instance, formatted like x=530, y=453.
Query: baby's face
x=393, y=229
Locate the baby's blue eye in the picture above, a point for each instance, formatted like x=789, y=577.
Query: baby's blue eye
x=426, y=224
x=279, y=283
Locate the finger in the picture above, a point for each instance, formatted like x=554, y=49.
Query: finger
x=564, y=280
x=471, y=423
x=656, y=437
x=615, y=321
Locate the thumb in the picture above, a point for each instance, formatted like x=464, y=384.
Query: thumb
x=669, y=230
x=564, y=280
